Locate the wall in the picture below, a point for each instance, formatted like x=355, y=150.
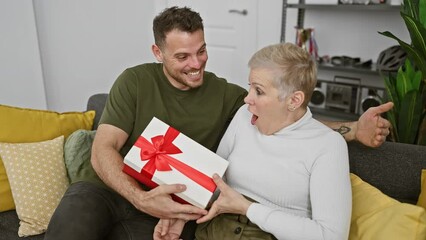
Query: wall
x=86, y=44
x=21, y=79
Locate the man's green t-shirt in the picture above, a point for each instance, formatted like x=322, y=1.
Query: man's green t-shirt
x=143, y=91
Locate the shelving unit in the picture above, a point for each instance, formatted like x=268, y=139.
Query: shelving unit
x=366, y=77
x=373, y=7
x=338, y=7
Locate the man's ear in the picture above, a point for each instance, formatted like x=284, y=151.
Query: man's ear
x=297, y=99
x=157, y=52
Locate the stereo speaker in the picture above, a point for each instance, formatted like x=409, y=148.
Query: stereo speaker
x=370, y=97
x=319, y=95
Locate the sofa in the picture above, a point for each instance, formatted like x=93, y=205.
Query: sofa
x=393, y=168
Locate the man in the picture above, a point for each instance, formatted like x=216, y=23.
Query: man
x=178, y=91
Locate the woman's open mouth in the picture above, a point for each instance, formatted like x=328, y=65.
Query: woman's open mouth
x=253, y=119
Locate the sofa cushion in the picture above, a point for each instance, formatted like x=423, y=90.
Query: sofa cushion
x=77, y=152
x=394, y=168
x=38, y=180
x=19, y=125
x=9, y=225
x=377, y=216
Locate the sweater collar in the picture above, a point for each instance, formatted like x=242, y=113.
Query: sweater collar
x=305, y=118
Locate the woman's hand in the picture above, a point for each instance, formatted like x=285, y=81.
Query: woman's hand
x=229, y=201
x=168, y=229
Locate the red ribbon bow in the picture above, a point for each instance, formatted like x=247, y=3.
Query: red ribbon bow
x=156, y=155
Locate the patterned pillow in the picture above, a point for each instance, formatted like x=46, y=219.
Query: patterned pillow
x=38, y=180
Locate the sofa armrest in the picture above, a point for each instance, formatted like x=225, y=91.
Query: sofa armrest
x=97, y=102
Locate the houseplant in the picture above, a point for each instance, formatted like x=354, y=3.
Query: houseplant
x=407, y=89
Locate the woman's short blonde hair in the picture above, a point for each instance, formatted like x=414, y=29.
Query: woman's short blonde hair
x=295, y=69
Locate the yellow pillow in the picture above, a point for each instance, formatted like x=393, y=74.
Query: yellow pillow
x=422, y=198
x=20, y=125
x=377, y=216
x=38, y=180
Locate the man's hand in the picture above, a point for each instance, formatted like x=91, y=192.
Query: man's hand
x=168, y=229
x=229, y=201
x=158, y=203
x=371, y=129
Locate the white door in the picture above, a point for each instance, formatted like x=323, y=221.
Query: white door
x=231, y=35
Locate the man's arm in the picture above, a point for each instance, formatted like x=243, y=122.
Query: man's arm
x=108, y=164
x=370, y=129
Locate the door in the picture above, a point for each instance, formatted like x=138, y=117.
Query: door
x=231, y=35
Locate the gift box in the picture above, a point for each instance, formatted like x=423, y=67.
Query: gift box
x=163, y=155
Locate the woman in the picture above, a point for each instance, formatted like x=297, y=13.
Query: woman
x=288, y=176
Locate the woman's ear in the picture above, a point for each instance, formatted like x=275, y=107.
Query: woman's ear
x=297, y=99
x=157, y=53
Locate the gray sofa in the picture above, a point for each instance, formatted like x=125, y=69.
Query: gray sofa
x=394, y=168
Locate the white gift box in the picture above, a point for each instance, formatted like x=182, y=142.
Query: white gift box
x=191, y=163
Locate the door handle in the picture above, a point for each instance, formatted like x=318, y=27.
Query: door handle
x=242, y=12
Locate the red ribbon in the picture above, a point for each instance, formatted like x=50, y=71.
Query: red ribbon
x=156, y=155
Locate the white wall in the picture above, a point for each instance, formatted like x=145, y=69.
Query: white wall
x=21, y=79
x=86, y=44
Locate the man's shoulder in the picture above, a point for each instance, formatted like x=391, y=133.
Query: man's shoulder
x=144, y=67
x=213, y=80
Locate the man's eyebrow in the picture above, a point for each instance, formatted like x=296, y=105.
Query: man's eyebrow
x=203, y=46
x=185, y=53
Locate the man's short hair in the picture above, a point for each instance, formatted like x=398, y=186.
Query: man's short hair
x=175, y=18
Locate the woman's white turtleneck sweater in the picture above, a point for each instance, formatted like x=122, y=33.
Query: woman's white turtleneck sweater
x=299, y=176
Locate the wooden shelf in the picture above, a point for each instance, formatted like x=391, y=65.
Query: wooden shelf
x=355, y=7
x=365, y=70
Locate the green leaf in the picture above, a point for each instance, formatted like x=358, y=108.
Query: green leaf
x=422, y=13
x=391, y=91
x=392, y=114
x=417, y=32
x=416, y=81
x=409, y=117
x=412, y=75
x=408, y=69
x=403, y=82
x=409, y=7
